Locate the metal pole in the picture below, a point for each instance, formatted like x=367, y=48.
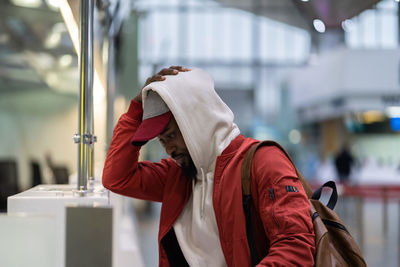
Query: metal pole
x=111, y=86
x=398, y=236
x=360, y=221
x=85, y=138
x=90, y=115
x=385, y=213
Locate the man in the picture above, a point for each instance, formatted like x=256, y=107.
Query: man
x=343, y=163
x=202, y=221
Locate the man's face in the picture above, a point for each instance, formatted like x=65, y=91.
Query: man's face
x=172, y=141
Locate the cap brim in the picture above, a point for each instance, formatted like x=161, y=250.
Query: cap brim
x=150, y=128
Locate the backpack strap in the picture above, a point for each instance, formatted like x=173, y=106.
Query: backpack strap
x=247, y=162
x=247, y=203
x=246, y=169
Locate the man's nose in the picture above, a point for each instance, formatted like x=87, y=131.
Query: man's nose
x=170, y=148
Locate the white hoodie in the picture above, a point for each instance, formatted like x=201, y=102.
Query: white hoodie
x=207, y=127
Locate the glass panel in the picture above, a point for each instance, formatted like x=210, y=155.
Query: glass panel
x=367, y=19
x=389, y=30
x=375, y=28
x=241, y=41
x=300, y=45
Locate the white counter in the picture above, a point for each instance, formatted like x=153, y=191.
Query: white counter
x=52, y=200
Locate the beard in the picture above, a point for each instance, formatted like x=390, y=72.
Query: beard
x=189, y=170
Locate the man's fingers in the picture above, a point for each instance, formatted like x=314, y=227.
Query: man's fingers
x=179, y=68
x=168, y=71
x=160, y=76
x=173, y=70
x=157, y=77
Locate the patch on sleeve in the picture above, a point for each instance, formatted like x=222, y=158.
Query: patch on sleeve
x=291, y=188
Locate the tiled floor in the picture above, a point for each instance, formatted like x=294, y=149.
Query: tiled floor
x=148, y=232
x=380, y=246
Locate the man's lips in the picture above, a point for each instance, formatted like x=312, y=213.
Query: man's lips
x=178, y=158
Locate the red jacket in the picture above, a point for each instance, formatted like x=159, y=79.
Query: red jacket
x=285, y=215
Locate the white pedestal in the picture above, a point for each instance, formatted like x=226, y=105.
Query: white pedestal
x=52, y=200
x=28, y=240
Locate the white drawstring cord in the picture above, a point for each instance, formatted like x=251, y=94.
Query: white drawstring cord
x=203, y=196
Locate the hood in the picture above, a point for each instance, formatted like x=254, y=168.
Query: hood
x=205, y=121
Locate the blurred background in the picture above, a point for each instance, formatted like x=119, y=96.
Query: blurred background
x=322, y=77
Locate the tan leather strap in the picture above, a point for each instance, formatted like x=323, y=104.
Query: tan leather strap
x=246, y=167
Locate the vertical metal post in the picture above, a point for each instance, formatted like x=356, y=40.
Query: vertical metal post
x=90, y=110
x=110, y=86
x=385, y=213
x=360, y=221
x=398, y=234
x=85, y=138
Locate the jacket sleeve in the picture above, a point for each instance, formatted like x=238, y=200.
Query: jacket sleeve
x=122, y=172
x=284, y=210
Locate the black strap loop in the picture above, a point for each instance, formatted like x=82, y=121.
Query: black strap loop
x=334, y=197
x=247, y=201
x=314, y=216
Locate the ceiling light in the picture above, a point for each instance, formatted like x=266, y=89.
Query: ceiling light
x=347, y=25
x=51, y=79
x=59, y=27
x=319, y=25
x=53, y=4
x=65, y=61
x=27, y=3
x=52, y=40
x=304, y=0
x=294, y=136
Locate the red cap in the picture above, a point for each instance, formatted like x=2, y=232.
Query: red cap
x=150, y=128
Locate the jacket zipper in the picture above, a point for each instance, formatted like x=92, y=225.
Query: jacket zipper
x=272, y=194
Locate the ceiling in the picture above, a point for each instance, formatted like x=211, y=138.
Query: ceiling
x=301, y=13
x=37, y=54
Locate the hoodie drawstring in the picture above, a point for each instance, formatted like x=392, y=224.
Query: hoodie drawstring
x=203, y=195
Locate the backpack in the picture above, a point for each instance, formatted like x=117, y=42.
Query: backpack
x=334, y=246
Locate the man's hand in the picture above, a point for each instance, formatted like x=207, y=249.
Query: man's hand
x=160, y=76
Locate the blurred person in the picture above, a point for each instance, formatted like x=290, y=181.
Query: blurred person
x=202, y=221
x=344, y=161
